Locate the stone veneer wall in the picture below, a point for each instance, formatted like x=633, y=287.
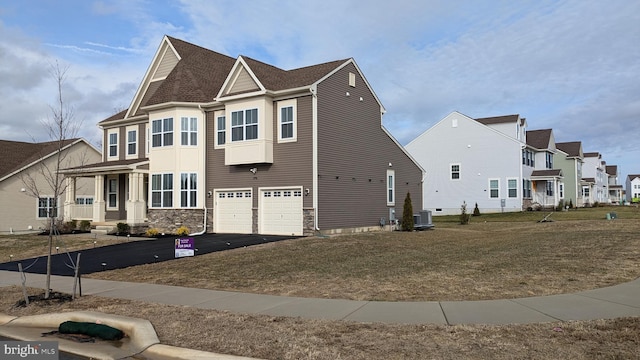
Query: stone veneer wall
x=307, y=222
x=169, y=220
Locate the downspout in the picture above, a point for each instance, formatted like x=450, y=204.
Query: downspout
x=204, y=125
x=314, y=161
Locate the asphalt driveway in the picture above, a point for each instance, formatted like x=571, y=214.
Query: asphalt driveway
x=134, y=253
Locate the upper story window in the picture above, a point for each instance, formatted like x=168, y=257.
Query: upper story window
x=221, y=130
x=162, y=132
x=548, y=157
x=455, y=171
x=132, y=141
x=244, y=125
x=287, y=127
x=528, y=158
x=113, y=144
x=189, y=131
x=391, y=187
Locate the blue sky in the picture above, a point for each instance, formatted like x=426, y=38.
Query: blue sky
x=573, y=66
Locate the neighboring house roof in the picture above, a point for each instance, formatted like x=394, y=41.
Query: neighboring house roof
x=632, y=177
x=539, y=139
x=611, y=169
x=546, y=173
x=572, y=148
x=17, y=155
x=589, y=180
x=592, y=154
x=499, y=119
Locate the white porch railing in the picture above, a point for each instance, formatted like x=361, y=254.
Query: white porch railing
x=81, y=212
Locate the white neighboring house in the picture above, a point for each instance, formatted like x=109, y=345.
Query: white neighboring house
x=615, y=189
x=594, y=179
x=473, y=161
x=546, y=180
x=632, y=187
x=20, y=212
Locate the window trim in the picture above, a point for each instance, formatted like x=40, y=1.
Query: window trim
x=391, y=188
x=451, y=171
x=112, y=145
x=492, y=189
x=115, y=193
x=294, y=124
x=134, y=143
x=221, y=117
x=190, y=130
x=509, y=188
x=165, y=188
x=163, y=134
x=50, y=199
x=191, y=190
x=244, y=126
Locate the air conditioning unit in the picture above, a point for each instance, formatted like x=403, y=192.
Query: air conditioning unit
x=423, y=220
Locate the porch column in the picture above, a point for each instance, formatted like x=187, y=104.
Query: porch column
x=69, y=198
x=136, y=206
x=99, y=211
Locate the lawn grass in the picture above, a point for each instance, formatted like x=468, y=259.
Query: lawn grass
x=509, y=255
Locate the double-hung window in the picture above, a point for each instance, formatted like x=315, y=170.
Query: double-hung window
x=221, y=131
x=47, y=207
x=132, y=142
x=162, y=190
x=113, y=144
x=548, y=160
x=549, y=188
x=188, y=189
x=162, y=132
x=112, y=193
x=287, y=130
x=189, y=131
x=244, y=125
x=512, y=185
x=455, y=171
x=494, y=188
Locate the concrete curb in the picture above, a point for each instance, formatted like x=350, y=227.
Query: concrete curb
x=141, y=337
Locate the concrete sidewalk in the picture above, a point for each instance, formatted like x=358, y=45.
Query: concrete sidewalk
x=605, y=303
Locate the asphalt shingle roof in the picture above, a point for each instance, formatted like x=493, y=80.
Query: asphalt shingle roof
x=498, y=119
x=572, y=148
x=15, y=155
x=539, y=139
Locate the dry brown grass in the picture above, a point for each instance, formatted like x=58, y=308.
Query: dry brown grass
x=508, y=256
x=269, y=337
x=480, y=261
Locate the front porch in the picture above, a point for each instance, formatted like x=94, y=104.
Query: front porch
x=546, y=187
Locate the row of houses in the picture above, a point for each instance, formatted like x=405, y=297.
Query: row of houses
x=235, y=145
x=500, y=165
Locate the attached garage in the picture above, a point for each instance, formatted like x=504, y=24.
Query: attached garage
x=233, y=211
x=281, y=211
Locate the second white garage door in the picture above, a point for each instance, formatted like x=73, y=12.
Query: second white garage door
x=281, y=211
x=233, y=211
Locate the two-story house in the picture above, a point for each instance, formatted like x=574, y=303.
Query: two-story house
x=632, y=186
x=234, y=145
x=615, y=189
x=569, y=159
x=594, y=179
x=473, y=161
x=546, y=180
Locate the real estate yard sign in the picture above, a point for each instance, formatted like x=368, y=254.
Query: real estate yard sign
x=185, y=247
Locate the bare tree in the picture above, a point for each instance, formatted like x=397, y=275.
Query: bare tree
x=45, y=179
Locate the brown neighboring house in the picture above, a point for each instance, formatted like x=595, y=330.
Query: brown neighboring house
x=25, y=205
x=228, y=145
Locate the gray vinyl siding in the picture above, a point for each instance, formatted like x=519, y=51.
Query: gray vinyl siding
x=142, y=141
x=292, y=162
x=354, y=155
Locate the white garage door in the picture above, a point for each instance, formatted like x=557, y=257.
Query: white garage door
x=281, y=211
x=233, y=212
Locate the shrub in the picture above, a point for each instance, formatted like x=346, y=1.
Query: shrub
x=183, y=231
x=69, y=226
x=476, y=211
x=123, y=228
x=464, y=216
x=85, y=225
x=560, y=206
x=151, y=232
x=595, y=204
x=407, y=214
x=570, y=203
